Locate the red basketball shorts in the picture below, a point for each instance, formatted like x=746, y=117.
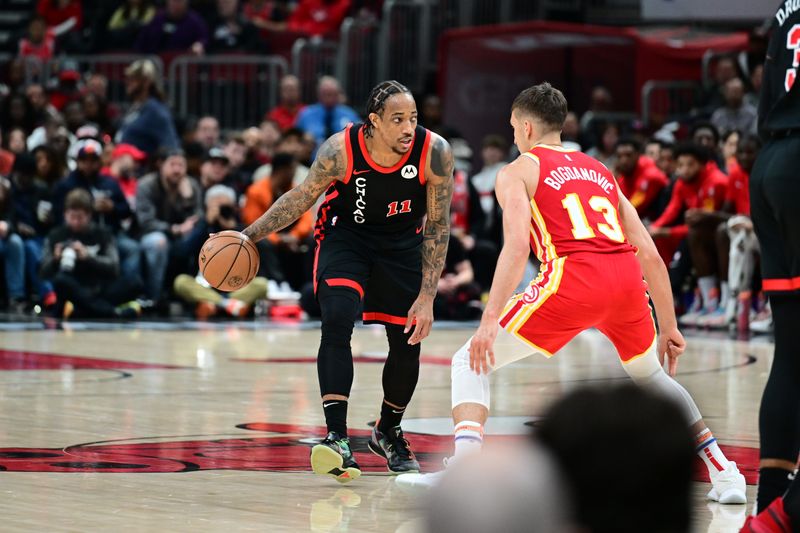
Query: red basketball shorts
x=582, y=291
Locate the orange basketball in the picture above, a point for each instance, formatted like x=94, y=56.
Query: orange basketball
x=228, y=260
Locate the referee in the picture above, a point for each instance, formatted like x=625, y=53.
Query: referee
x=775, y=197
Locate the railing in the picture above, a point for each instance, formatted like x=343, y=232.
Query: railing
x=356, y=65
x=237, y=89
x=404, y=47
x=311, y=59
x=664, y=101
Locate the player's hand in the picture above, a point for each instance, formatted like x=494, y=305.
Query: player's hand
x=420, y=317
x=670, y=344
x=481, y=346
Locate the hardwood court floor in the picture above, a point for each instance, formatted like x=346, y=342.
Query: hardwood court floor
x=208, y=429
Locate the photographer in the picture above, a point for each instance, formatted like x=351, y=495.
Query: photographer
x=80, y=258
x=221, y=213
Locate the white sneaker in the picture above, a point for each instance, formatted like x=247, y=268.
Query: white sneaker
x=419, y=482
x=728, y=486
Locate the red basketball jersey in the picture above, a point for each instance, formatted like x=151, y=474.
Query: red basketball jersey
x=575, y=207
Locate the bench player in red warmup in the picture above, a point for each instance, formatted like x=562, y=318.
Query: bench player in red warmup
x=566, y=206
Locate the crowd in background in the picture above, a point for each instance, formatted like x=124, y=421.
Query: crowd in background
x=158, y=184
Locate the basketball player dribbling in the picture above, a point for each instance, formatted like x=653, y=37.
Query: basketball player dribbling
x=566, y=206
x=373, y=244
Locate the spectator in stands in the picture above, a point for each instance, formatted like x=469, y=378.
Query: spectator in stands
x=230, y=31
x=32, y=203
x=725, y=70
x=6, y=158
x=95, y=110
x=697, y=197
x=329, y=114
x=255, y=156
x=639, y=178
x=221, y=213
x=600, y=102
x=16, y=112
x=285, y=113
x=728, y=147
x=127, y=21
x=12, y=252
x=216, y=170
x=176, y=28
x=38, y=99
x=207, y=132
x=97, y=84
x=571, y=132
x=40, y=42
x=148, y=124
x=318, y=17
x=81, y=260
x=267, y=15
x=168, y=206
x=74, y=116
x=50, y=168
x=235, y=150
x=652, y=149
x=756, y=79
x=61, y=16
x=16, y=141
x=283, y=254
x=291, y=142
x=125, y=160
x=737, y=235
x=666, y=160
x=650, y=446
x=706, y=135
x=110, y=208
x=736, y=114
x=606, y=149
x=457, y=294
x=432, y=115
x=494, y=153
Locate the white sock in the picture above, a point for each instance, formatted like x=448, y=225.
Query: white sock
x=708, y=285
x=468, y=437
x=709, y=451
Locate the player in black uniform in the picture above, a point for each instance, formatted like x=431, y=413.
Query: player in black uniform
x=774, y=195
x=373, y=243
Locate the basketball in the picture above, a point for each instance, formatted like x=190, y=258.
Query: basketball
x=228, y=260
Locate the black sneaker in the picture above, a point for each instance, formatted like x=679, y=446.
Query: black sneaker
x=393, y=447
x=333, y=457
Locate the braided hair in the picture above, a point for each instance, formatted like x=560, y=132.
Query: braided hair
x=377, y=100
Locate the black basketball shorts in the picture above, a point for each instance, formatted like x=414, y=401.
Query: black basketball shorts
x=775, y=209
x=385, y=270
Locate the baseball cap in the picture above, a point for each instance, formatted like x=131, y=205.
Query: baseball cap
x=217, y=153
x=89, y=148
x=128, y=149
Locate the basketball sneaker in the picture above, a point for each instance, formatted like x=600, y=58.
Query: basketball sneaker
x=728, y=486
x=393, y=447
x=773, y=519
x=333, y=457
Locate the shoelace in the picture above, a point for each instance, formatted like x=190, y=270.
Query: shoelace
x=404, y=450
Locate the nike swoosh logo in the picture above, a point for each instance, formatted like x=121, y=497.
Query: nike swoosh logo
x=329, y=404
x=398, y=412
x=419, y=229
x=357, y=172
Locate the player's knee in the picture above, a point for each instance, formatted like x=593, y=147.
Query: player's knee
x=460, y=360
x=339, y=311
x=398, y=344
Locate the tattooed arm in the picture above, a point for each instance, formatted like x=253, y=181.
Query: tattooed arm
x=439, y=171
x=329, y=165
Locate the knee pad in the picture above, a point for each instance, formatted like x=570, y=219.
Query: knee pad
x=340, y=307
x=467, y=386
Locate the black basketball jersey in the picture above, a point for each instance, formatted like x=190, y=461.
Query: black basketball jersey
x=372, y=198
x=779, y=104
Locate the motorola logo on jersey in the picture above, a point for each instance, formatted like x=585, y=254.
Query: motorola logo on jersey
x=361, y=202
x=409, y=172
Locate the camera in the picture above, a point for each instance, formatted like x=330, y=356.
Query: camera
x=68, y=257
x=227, y=212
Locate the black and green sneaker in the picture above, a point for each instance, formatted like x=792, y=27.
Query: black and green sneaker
x=393, y=447
x=333, y=457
